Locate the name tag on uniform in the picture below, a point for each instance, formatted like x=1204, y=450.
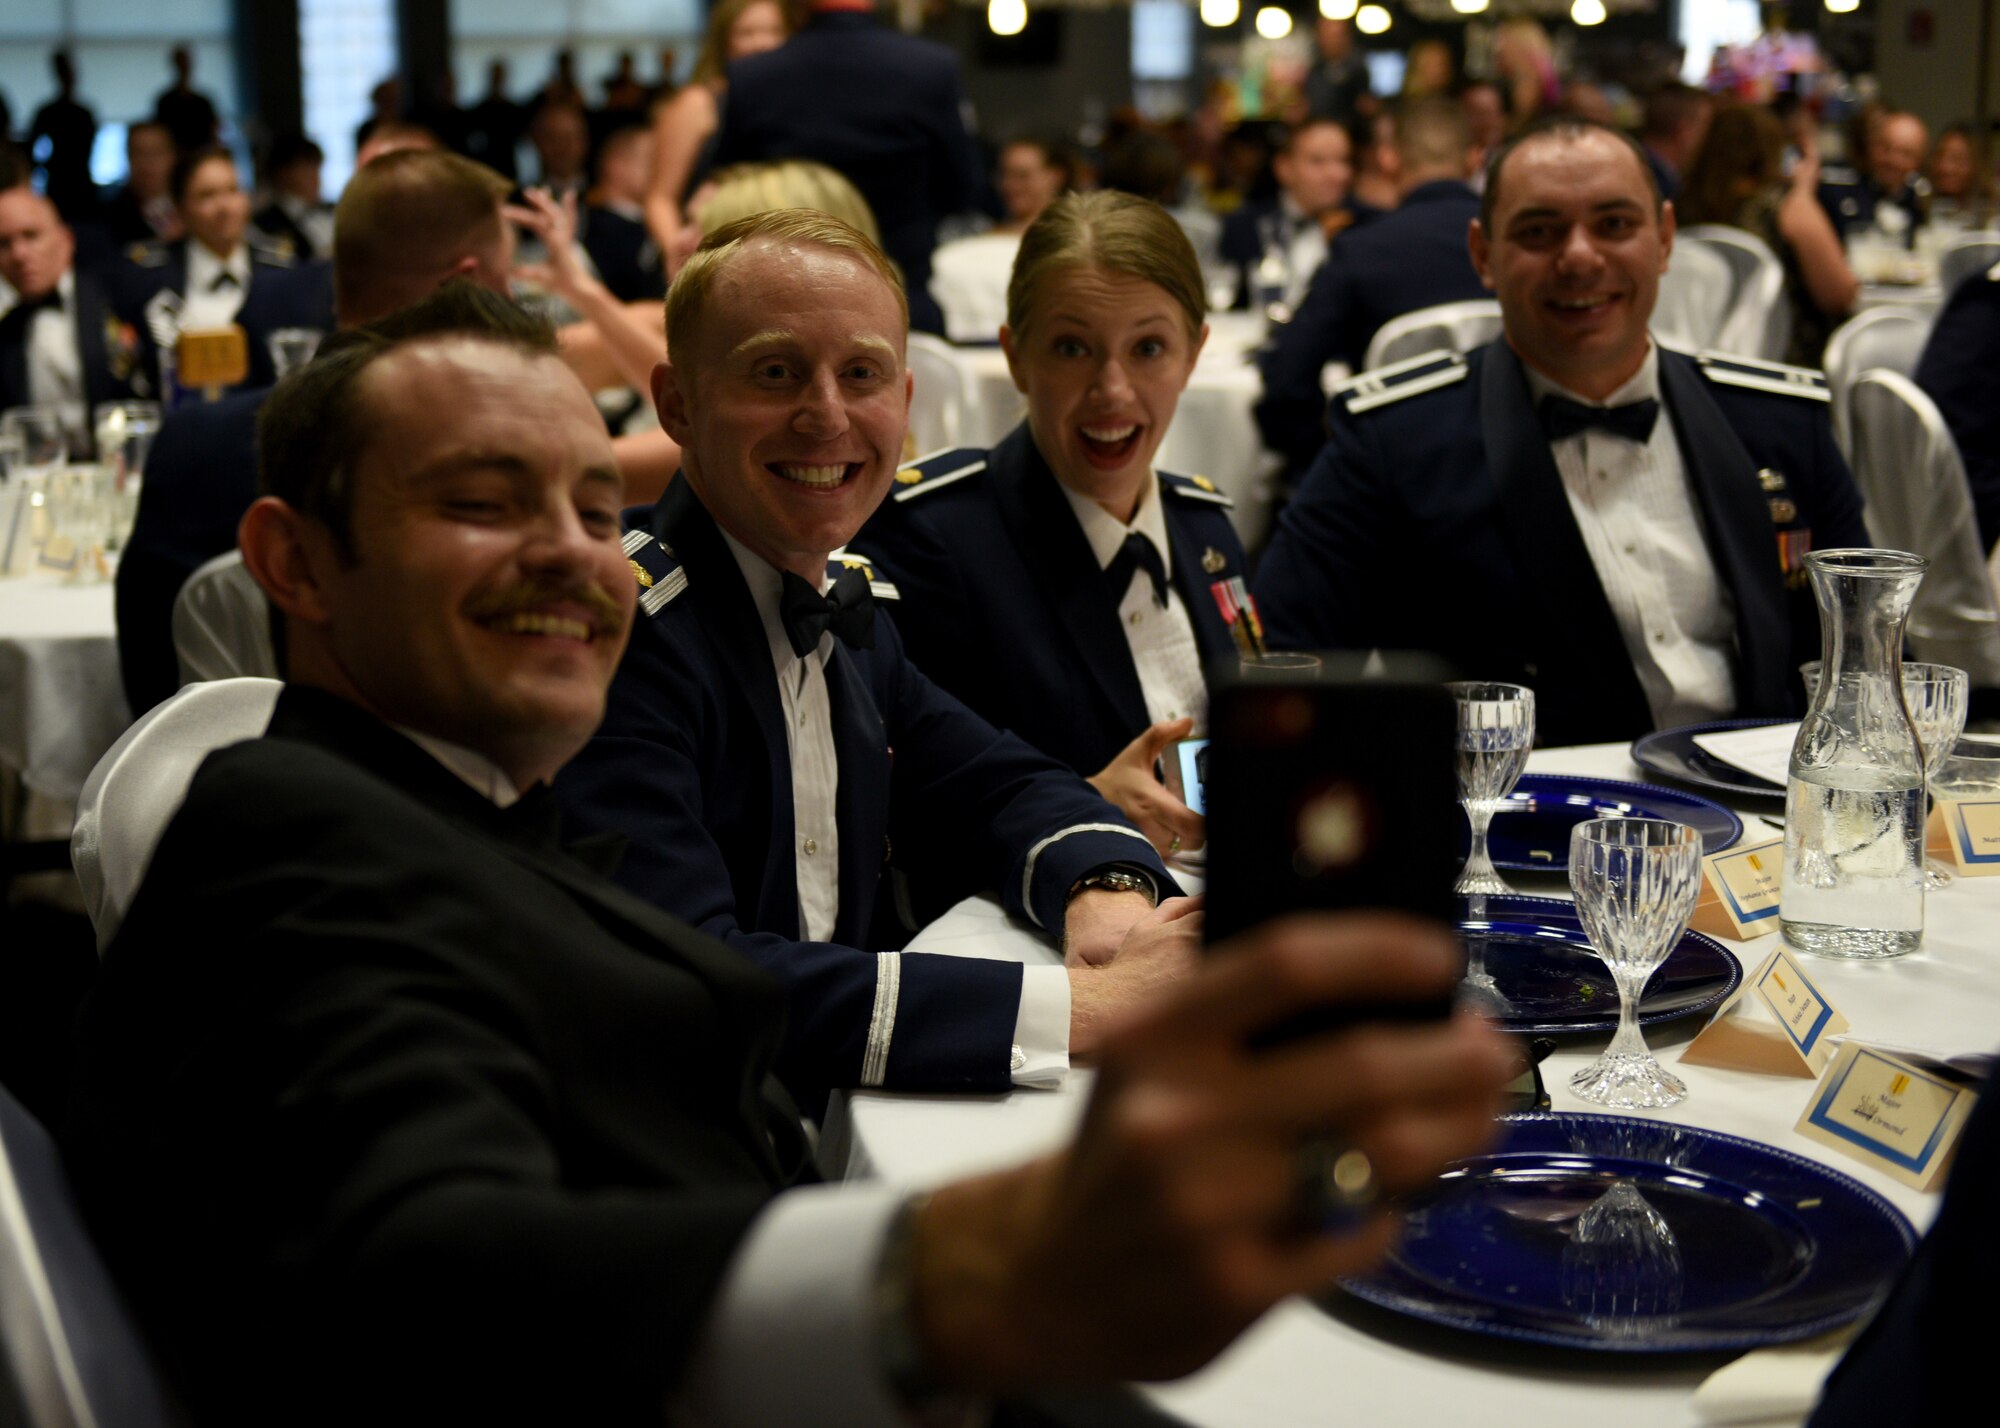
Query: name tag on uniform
x=1778, y=1022
x=1901, y=1119
x=1739, y=892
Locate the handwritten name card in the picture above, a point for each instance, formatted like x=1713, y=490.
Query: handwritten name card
x=1739, y=891
x=1901, y=1119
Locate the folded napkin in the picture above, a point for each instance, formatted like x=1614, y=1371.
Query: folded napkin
x=1771, y=1386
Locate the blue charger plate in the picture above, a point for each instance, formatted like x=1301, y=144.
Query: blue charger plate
x=1539, y=956
x=1530, y=833
x=1640, y=1236
x=1673, y=754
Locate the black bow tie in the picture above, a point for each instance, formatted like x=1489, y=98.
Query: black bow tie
x=223, y=279
x=50, y=300
x=1137, y=553
x=847, y=609
x=1562, y=417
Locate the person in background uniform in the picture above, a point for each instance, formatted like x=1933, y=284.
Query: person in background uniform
x=1676, y=118
x=1619, y=527
x=219, y=274
x=1059, y=584
x=297, y=215
x=61, y=344
x=1412, y=257
x=613, y=226
x=493, y=125
x=1485, y=121
x=433, y=1124
x=1337, y=86
x=142, y=208
x=1884, y=193
x=883, y=108
x=71, y=131
x=1313, y=169
x=560, y=135
x=188, y=113
x=770, y=750
x=1960, y=358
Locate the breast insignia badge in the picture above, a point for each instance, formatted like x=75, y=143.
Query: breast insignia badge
x=1213, y=560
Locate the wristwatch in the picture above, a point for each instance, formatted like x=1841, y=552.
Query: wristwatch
x=1116, y=880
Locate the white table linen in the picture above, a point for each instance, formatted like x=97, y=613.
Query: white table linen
x=62, y=700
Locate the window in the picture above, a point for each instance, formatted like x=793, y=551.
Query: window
x=527, y=34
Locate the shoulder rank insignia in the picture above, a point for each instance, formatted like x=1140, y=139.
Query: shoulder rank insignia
x=658, y=571
x=276, y=252
x=147, y=255
x=877, y=586
x=938, y=470
x=1734, y=371
x=1194, y=488
x=1379, y=386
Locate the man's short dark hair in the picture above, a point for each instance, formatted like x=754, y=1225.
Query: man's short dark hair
x=292, y=147
x=1565, y=129
x=1289, y=135
x=187, y=164
x=313, y=426
x=1670, y=106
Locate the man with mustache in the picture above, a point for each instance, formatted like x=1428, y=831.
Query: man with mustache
x=775, y=758
x=389, y=1108
x=1620, y=527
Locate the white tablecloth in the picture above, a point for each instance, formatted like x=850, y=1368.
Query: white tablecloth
x=1303, y=1366
x=1213, y=434
x=62, y=702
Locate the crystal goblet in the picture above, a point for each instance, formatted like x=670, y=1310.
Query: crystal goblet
x=1935, y=695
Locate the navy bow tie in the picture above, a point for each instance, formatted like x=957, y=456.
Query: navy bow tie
x=847, y=609
x=1137, y=553
x=1562, y=417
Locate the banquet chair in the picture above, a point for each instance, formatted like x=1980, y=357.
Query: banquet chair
x=1694, y=298
x=1917, y=499
x=1888, y=337
x=939, y=407
x=222, y=624
x=969, y=281
x=1758, y=323
x=1448, y=327
x=138, y=785
x=68, y=1347
x=1967, y=254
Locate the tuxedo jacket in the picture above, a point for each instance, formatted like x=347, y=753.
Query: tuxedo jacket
x=283, y=293
x=387, y=1106
x=107, y=349
x=1435, y=519
x=692, y=765
x=1004, y=605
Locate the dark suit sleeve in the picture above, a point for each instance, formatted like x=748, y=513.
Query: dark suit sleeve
x=1291, y=412
x=1957, y=371
x=1836, y=511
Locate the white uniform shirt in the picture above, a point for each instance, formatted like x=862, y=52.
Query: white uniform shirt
x=55, y=366
x=1161, y=640
x=1041, y=1023
x=206, y=306
x=1305, y=251
x=1643, y=529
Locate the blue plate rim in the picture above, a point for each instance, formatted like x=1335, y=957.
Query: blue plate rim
x=1361, y=1288
x=1610, y=1023
x=1643, y=746
x=1735, y=822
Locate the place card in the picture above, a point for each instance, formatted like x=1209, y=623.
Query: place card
x=1967, y=831
x=59, y=552
x=218, y=358
x=1901, y=1119
x=1778, y=1022
x=1739, y=891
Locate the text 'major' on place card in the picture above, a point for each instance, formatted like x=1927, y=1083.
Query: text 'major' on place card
x=1901, y=1119
x=1739, y=891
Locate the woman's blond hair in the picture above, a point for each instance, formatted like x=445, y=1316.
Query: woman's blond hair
x=714, y=56
x=743, y=190
x=1118, y=232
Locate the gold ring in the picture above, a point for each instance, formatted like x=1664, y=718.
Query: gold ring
x=1175, y=846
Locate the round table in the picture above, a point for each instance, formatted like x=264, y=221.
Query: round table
x=1305, y=1365
x=62, y=701
x=1213, y=433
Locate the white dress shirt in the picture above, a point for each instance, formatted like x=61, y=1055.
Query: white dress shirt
x=205, y=306
x=799, y=1292
x=1643, y=529
x=55, y=365
x=1305, y=249
x=1161, y=640
x=1041, y=1023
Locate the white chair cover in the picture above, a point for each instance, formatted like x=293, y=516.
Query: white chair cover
x=940, y=404
x=222, y=624
x=1914, y=483
x=138, y=785
x=1694, y=297
x=1888, y=337
x=1450, y=326
x=969, y=281
x=1967, y=254
x=70, y=1356
x=1759, y=324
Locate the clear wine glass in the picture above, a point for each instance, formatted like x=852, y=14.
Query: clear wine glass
x=1496, y=728
x=1936, y=696
x=1635, y=881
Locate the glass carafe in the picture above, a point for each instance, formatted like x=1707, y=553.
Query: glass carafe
x=1854, y=802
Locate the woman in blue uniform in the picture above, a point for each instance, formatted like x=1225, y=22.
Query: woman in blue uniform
x=1058, y=583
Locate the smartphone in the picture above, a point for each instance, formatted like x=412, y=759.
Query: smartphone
x=1331, y=793
x=1184, y=770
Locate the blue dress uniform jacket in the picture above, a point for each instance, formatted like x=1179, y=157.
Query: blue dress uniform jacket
x=1004, y=605
x=1850, y=199
x=887, y=110
x=1957, y=370
x=1435, y=519
x=283, y=293
x=107, y=349
x=692, y=764
x=1412, y=257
